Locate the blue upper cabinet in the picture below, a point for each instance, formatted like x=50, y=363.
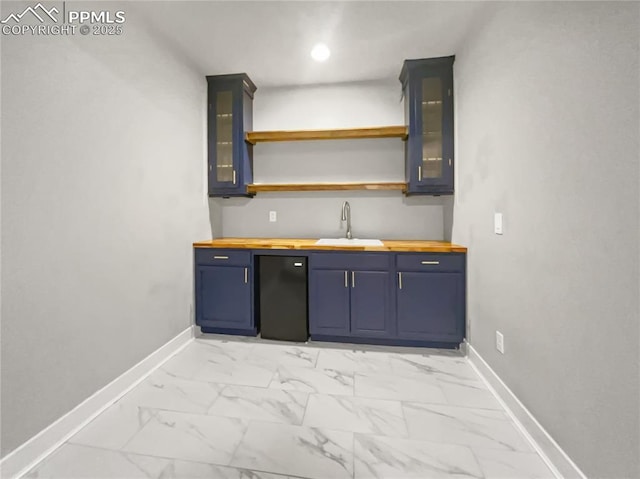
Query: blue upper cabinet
x=427, y=87
x=230, y=115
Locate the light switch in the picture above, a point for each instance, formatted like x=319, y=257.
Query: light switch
x=497, y=223
x=273, y=216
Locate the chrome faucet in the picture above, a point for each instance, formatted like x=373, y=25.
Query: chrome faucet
x=346, y=216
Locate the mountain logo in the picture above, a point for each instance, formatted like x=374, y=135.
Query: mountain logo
x=39, y=8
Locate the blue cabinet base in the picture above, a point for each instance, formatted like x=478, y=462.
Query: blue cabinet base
x=385, y=341
x=392, y=299
x=236, y=332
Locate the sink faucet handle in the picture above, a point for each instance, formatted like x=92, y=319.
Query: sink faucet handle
x=346, y=207
x=346, y=216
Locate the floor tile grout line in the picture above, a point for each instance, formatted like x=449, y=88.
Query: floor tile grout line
x=467, y=423
x=373, y=433
x=352, y=431
x=151, y=416
x=44, y=460
x=210, y=406
x=204, y=415
x=353, y=386
x=273, y=374
x=355, y=374
x=261, y=470
x=315, y=365
x=475, y=457
x=306, y=408
x=168, y=458
x=404, y=418
x=451, y=444
x=144, y=423
x=472, y=428
x=353, y=455
x=235, y=449
x=225, y=383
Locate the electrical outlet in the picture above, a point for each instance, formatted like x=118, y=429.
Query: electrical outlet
x=499, y=342
x=497, y=223
x=273, y=216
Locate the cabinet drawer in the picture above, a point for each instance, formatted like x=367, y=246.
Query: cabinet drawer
x=351, y=261
x=430, y=262
x=222, y=257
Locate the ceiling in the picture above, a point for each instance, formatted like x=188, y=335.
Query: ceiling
x=271, y=40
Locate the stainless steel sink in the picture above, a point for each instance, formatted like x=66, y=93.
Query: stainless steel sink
x=348, y=242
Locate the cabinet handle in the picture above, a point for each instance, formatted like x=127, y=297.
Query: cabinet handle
x=346, y=281
x=449, y=161
x=246, y=275
x=399, y=280
x=234, y=177
x=420, y=173
x=220, y=257
x=353, y=279
x=431, y=262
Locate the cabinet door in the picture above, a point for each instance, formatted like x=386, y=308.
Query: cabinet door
x=329, y=302
x=370, y=291
x=434, y=166
x=223, y=297
x=430, y=306
x=428, y=89
x=223, y=125
x=229, y=117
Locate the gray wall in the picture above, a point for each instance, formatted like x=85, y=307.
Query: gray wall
x=387, y=215
x=1, y=69
x=103, y=192
x=547, y=133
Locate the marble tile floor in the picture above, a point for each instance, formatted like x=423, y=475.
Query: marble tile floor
x=241, y=408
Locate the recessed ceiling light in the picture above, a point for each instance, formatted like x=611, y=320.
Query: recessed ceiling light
x=320, y=52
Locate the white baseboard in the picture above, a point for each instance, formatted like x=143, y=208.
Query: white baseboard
x=26, y=456
x=557, y=460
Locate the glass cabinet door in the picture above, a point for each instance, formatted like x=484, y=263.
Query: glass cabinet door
x=225, y=172
x=428, y=87
x=431, y=166
x=229, y=117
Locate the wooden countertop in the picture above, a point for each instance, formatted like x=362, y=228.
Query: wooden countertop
x=421, y=246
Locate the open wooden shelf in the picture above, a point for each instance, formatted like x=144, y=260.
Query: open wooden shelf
x=254, y=137
x=259, y=188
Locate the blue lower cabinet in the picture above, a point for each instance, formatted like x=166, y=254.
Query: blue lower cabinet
x=328, y=302
x=344, y=303
x=430, y=306
x=349, y=295
x=409, y=299
x=370, y=303
x=224, y=299
x=393, y=298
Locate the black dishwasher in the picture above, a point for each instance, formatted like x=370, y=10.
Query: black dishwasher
x=282, y=297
